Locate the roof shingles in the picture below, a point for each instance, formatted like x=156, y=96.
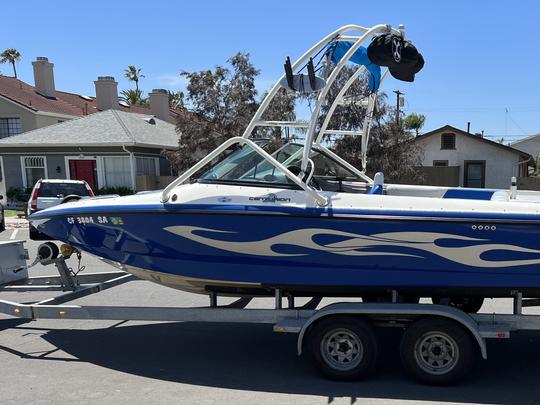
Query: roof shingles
x=65, y=103
x=104, y=128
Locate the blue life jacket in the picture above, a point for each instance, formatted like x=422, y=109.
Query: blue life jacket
x=360, y=57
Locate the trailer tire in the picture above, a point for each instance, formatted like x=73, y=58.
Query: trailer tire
x=344, y=347
x=437, y=351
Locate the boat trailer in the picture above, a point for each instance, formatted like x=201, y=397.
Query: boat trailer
x=315, y=327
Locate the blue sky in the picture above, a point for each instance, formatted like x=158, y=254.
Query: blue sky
x=481, y=57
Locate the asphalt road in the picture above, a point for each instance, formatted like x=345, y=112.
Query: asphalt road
x=91, y=362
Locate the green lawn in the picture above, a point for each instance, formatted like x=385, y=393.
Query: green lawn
x=12, y=213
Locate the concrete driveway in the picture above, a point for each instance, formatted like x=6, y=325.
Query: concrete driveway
x=91, y=362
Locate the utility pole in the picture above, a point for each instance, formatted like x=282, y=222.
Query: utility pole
x=398, y=94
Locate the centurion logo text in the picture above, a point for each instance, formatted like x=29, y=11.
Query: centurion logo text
x=270, y=198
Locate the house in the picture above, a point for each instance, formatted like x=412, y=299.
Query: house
x=530, y=145
x=24, y=107
x=110, y=148
x=452, y=157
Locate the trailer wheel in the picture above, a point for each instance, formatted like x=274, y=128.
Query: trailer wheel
x=437, y=351
x=470, y=305
x=344, y=348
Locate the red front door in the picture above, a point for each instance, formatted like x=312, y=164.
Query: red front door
x=83, y=170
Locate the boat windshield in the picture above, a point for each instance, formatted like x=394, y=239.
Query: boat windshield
x=245, y=165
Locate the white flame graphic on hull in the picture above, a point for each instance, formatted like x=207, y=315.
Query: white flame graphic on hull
x=362, y=245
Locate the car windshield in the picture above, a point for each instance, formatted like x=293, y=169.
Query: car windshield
x=244, y=164
x=62, y=189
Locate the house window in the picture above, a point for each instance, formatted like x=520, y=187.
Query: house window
x=33, y=169
x=117, y=171
x=9, y=127
x=440, y=163
x=448, y=141
x=146, y=166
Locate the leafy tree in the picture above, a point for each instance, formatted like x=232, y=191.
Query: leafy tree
x=415, y=122
x=281, y=108
x=11, y=55
x=390, y=149
x=176, y=99
x=133, y=74
x=221, y=103
x=133, y=97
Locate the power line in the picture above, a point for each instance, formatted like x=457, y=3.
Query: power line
x=515, y=123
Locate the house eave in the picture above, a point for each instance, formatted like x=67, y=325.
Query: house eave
x=50, y=114
x=86, y=145
x=18, y=104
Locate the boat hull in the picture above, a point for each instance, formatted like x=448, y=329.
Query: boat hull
x=254, y=250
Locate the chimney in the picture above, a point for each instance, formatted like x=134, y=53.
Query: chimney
x=106, y=93
x=44, y=77
x=159, y=104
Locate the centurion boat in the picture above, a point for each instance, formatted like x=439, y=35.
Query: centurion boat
x=303, y=220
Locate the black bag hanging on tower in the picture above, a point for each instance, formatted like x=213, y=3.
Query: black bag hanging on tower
x=400, y=56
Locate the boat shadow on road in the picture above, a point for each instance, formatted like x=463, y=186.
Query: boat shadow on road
x=251, y=357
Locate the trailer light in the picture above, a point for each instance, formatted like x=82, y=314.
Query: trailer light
x=66, y=250
x=279, y=329
x=61, y=313
x=17, y=310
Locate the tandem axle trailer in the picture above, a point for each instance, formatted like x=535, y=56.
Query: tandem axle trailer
x=438, y=346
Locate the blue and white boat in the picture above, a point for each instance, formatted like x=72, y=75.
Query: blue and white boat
x=305, y=221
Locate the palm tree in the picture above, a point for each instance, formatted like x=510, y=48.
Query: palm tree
x=415, y=121
x=133, y=74
x=133, y=97
x=11, y=55
x=176, y=99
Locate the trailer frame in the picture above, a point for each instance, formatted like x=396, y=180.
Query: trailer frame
x=291, y=319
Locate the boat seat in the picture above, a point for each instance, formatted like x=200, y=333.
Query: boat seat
x=469, y=193
x=378, y=182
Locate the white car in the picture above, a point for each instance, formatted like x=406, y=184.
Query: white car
x=50, y=192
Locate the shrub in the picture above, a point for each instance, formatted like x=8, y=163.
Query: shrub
x=114, y=190
x=18, y=194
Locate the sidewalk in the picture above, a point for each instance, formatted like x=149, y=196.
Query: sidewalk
x=16, y=222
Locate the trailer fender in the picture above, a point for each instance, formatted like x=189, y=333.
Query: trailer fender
x=356, y=308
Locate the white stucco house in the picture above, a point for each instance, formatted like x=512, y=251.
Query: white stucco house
x=470, y=160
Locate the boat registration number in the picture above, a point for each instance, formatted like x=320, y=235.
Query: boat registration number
x=100, y=219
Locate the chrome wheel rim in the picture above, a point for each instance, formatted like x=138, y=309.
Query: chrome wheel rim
x=436, y=353
x=342, y=349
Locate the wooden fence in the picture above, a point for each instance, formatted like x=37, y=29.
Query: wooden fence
x=528, y=183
